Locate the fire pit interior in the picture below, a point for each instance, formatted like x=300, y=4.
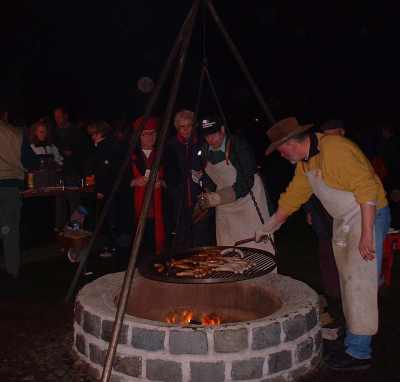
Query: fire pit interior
x=230, y=302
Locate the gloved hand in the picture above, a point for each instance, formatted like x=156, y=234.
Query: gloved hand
x=268, y=228
x=214, y=199
x=208, y=200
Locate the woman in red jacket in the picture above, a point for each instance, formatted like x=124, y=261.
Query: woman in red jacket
x=142, y=161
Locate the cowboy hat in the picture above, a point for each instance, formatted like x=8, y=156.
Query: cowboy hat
x=283, y=130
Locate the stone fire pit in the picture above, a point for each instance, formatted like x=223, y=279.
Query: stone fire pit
x=280, y=341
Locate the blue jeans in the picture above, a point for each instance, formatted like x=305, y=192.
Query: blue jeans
x=359, y=346
x=382, y=225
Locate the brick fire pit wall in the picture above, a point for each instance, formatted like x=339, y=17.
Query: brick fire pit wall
x=284, y=346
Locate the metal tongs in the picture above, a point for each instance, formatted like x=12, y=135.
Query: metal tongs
x=200, y=213
x=267, y=237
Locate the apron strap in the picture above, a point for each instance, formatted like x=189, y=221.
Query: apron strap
x=228, y=150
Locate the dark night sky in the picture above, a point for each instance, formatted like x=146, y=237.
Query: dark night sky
x=312, y=59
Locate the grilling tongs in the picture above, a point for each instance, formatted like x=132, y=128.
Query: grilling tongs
x=268, y=237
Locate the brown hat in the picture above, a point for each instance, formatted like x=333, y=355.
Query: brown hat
x=284, y=130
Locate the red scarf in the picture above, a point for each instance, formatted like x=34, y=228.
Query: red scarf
x=156, y=209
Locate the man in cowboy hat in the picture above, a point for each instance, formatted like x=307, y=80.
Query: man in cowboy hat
x=231, y=175
x=335, y=170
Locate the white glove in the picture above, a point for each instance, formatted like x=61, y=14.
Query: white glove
x=208, y=200
x=268, y=228
x=214, y=199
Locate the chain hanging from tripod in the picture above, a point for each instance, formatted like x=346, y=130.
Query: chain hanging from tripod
x=205, y=74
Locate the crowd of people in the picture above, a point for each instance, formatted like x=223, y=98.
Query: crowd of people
x=208, y=192
x=184, y=213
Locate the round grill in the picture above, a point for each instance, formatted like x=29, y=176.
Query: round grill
x=263, y=263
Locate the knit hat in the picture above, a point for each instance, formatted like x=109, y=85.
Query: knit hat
x=152, y=123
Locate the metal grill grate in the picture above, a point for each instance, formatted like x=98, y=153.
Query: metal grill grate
x=264, y=262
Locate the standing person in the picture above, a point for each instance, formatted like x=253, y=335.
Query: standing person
x=231, y=172
x=142, y=161
x=336, y=171
x=183, y=170
x=70, y=141
x=16, y=157
x=103, y=166
x=42, y=144
x=73, y=147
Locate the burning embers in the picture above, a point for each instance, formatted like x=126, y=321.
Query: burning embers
x=184, y=317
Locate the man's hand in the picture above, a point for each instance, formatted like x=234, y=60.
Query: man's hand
x=271, y=225
x=100, y=196
x=366, y=247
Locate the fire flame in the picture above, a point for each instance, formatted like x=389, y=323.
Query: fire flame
x=210, y=320
x=186, y=317
x=182, y=317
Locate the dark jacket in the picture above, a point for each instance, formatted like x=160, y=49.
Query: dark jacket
x=73, y=139
x=180, y=159
x=103, y=163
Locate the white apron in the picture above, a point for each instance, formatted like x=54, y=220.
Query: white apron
x=238, y=220
x=358, y=277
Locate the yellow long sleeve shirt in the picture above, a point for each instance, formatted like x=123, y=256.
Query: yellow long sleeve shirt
x=343, y=166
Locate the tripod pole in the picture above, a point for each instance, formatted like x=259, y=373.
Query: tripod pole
x=133, y=142
x=126, y=286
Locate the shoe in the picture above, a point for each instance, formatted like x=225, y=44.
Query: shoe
x=345, y=362
x=332, y=348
